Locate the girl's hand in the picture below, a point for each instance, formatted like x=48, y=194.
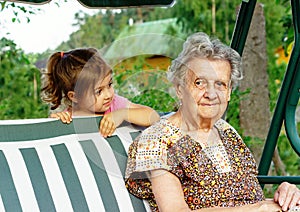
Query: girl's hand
x=287, y=196
x=110, y=122
x=65, y=117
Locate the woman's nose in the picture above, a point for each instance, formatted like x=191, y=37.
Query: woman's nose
x=210, y=91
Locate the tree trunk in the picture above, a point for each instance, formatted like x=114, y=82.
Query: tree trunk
x=213, y=16
x=255, y=107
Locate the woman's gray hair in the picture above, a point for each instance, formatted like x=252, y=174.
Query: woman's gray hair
x=200, y=45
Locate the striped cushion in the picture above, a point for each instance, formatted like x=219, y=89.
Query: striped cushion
x=50, y=166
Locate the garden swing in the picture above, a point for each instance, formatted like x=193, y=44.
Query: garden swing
x=50, y=166
x=289, y=95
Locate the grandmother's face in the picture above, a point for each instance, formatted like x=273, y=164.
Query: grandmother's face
x=207, y=90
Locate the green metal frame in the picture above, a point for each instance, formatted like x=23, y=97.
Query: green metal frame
x=288, y=97
x=285, y=108
x=294, y=89
x=242, y=25
x=110, y=3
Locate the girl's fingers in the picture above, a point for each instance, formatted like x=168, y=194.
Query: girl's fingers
x=104, y=127
x=112, y=130
x=65, y=117
x=107, y=128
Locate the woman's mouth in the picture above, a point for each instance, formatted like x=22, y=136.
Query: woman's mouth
x=208, y=104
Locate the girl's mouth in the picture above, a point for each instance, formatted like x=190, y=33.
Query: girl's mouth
x=107, y=103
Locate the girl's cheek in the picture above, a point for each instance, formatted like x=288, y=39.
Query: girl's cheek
x=112, y=91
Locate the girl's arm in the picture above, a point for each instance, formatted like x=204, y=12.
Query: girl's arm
x=168, y=194
x=141, y=115
x=136, y=114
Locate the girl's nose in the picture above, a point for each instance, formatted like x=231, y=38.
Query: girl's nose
x=109, y=93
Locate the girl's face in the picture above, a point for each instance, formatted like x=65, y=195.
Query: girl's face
x=208, y=88
x=100, y=98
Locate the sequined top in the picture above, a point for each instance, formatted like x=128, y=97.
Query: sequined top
x=206, y=182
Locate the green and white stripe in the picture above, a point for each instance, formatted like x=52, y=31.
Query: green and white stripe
x=64, y=167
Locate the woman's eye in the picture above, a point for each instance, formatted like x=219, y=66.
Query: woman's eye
x=220, y=84
x=110, y=84
x=200, y=83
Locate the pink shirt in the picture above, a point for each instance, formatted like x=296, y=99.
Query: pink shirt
x=118, y=102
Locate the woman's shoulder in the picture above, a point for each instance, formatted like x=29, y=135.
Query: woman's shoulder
x=223, y=125
x=158, y=137
x=149, y=149
x=162, y=128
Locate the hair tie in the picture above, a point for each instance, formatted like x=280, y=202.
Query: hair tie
x=61, y=54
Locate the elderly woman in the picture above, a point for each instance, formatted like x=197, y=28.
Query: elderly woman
x=194, y=159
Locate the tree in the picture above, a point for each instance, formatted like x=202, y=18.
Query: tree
x=98, y=30
x=19, y=83
x=17, y=9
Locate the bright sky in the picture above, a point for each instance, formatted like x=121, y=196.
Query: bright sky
x=46, y=30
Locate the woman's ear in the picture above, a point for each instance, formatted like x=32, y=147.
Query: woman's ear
x=179, y=91
x=72, y=96
x=229, y=94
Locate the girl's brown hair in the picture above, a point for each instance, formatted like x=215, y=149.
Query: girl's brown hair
x=76, y=70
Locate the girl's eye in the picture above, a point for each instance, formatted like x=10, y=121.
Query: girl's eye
x=110, y=84
x=98, y=92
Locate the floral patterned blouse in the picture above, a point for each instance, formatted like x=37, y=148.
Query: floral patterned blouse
x=220, y=175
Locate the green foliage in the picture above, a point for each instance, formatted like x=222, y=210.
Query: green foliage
x=154, y=98
x=19, y=83
x=148, y=88
x=274, y=29
x=286, y=23
x=276, y=75
x=96, y=31
x=290, y=158
x=286, y=152
x=197, y=16
x=18, y=9
x=232, y=114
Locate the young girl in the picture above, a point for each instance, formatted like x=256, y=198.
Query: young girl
x=82, y=80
